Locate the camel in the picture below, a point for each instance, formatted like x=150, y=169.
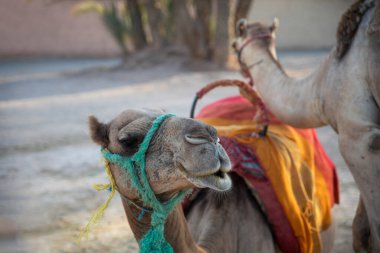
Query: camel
x=343, y=92
x=185, y=154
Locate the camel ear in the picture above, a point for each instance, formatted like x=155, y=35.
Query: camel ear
x=98, y=131
x=275, y=24
x=241, y=28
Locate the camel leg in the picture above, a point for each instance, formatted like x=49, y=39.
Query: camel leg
x=360, y=229
x=328, y=238
x=359, y=145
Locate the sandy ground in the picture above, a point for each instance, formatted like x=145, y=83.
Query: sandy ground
x=48, y=164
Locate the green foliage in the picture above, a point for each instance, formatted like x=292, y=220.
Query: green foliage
x=117, y=25
x=196, y=28
x=115, y=19
x=88, y=6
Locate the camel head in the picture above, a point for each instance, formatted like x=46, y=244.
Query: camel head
x=255, y=38
x=183, y=153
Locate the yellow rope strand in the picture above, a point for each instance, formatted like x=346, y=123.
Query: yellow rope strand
x=100, y=211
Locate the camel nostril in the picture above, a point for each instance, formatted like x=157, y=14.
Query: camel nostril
x=219, y=173
x=374, y=145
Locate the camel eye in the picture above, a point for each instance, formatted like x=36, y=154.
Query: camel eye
x=196, y=140
x=125, y=142
x=130, y=141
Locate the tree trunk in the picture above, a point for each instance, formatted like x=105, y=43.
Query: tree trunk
x=221, y=50
x=193, y=30
x=238, y=10
x=182, y=23
x=138, y=33
x=242, y=9
x=154, y=21
x=184, y=26
x=203, y=15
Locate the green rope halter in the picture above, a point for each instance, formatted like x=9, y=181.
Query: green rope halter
x=134, y=166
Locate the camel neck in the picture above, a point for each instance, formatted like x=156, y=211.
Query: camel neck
x=294, y=101
x=177, y=232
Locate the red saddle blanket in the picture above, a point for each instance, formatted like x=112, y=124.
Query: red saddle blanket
x=287, y=170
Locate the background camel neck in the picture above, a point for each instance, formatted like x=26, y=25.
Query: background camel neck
x=294, y=101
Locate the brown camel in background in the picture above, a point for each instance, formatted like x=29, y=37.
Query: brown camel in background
x=343, y=92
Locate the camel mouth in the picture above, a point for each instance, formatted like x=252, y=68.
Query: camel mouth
x=219, y=180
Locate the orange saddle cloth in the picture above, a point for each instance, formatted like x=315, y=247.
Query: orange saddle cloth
x=288, y=171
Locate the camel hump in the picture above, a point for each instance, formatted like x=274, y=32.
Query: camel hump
x=348, y=25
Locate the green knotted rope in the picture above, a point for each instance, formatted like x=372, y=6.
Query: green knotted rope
x=134, y=166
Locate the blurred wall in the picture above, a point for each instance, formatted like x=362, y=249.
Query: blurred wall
x=37, y=28
x=304, y=24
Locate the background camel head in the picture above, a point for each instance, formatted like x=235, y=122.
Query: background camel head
x=183, y=153
x=263, y=36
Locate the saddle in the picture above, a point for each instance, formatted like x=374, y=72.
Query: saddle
x=287, y=171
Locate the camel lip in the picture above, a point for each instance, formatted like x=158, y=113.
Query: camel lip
x=219, y=171
x=217, y=180
x=202, y=173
